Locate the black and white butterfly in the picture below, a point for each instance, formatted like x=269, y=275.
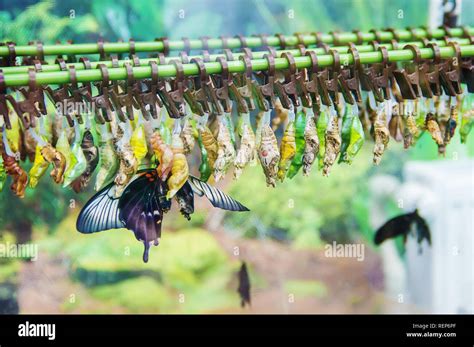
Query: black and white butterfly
x=142, y=204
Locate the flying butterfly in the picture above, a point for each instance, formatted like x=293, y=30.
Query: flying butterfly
x=141, y=206
x=402, y=225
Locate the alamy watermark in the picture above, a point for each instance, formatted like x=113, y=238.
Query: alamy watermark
x=13, y=250
x=348, y=250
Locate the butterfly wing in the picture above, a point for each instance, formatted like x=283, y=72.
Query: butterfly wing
x=140, y=209
x=100, y=212
x=215, y=196
x=396, y=226
x=422, y=229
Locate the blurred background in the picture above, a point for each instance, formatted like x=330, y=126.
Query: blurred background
x=283, y=238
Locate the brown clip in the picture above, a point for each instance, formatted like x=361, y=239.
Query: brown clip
x=205, y=42
x=350, y=78
x=234, y=93
x=100, y=48
x=11, y=54
x=221, y=82
x=243, y=41
x=450, y=72
x=332, y=82
x=243, y=82
x=286, y=90
x=60, y=95
x=336, y=40
x=429, y=73
x=207, y=86
x=376, y=77
x=166, y=44
x=103, y=106
x=264, y=38
x=312, y=84
x=26, y=109
x=187, y=45
x=282, y=40
x=126, y=98
x=3, y=102
x=149, y=97
x=467, y=65
x=264, y=89
x=225, y=41
x=408, y=80
x=173, y=100
x=131, y=47
x=360, y=37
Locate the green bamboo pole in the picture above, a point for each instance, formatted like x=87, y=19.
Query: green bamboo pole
x=259, y=54
x=42, y=78
x=215, y=43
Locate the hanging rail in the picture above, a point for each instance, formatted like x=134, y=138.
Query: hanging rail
x=141, y=72
x=212, y=57
x=238, y=42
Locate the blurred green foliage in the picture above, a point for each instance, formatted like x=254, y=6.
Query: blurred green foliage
x=188, y=262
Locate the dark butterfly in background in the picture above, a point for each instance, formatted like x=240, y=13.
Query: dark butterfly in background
x=403, y=225
x=244, y=285
x=142, y=205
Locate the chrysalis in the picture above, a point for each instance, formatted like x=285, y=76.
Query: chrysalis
x=333, y=144
x=128, y=164
x=39, y=168
x=225, y=151
x=381, y=134
x=268, y=151
x=3, y=174
x=321, y=126
x=19, y=176
x=210, y=144
x=287, y=147
x=81, y=162
x=352, y=136
x=91, y=153
x=433, y=128
x=311, y=148
x=247, y=150
x=64, y=148
x=109, y=162
x=138, y=141
x=395, y=125
x=187, y=135
x=164, y=155
x=51, y=155
x=179, y=169
x=300, y=127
